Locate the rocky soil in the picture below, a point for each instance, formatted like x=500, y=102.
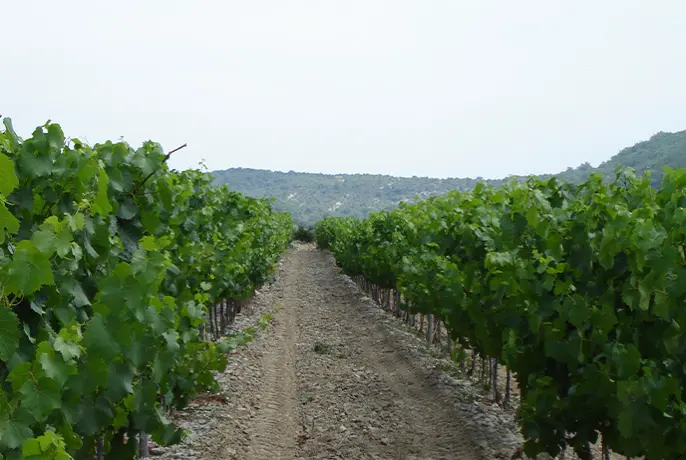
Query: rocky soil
x=335, y=377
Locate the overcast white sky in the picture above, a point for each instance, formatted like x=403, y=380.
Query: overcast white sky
x=406, y=87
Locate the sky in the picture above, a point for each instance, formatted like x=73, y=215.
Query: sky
x=439, y=88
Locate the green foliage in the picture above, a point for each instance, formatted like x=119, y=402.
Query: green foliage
x=108, y=264
x=578, y=289
x=325, y=232
x=311, y=197
x=304, y=234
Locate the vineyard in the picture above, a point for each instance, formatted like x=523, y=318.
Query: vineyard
x=578, y=290
x=118, y=278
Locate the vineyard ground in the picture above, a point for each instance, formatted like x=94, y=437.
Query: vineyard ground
x=335, y=377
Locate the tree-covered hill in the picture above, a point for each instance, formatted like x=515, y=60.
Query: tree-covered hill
x=662, y=149
x=309, y=197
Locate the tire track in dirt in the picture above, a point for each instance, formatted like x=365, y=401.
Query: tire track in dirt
x=436, y=429
x=274, y=428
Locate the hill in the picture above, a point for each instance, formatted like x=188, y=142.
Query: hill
x=309, y=197
x=662, y=149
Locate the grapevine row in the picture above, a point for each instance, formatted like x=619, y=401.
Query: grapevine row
x=111, y=265
x=579, y=290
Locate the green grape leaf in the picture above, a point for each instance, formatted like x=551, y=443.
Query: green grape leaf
x=31, y=448
x=121, y=418
x=29, y=270
x=8, y=222
x=54, y=366
x=77, y=221
x=44, y=240
x=119, y=382
x=627, y=359
x=644, y=299
x=98, y=339
x=9, y=333
x=89, y=169
x=145, y=413
x=14, y=434
x=145, y=161
x=34, y=159
x=63, y=242
x=62, y=455
x=625, y=423
x=149, y=243
x=69, y=350
x=13, y=139
x=172, y=338
x=4, y=408
x=119, y=181
x=101, y=204
x=19, y=374
x=151, y=221
x=66, y=432
x=579, y=314
x=168, y=435
x=40, y=397
x=8, y=178
x=49, y=445
x=80, y=298
x=38, y=203
x=662, y=307
x=55, y=136
x=127, y=210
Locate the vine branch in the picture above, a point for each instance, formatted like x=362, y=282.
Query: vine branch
x=166, y=157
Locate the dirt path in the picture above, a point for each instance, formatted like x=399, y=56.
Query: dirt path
x=332, y=378
x=274, y=428
x=362, y=398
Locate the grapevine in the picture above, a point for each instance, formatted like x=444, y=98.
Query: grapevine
x=577, y=289
x=110, y=264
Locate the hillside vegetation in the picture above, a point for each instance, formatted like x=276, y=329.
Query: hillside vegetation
x=662, y=149
x=309, y=197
